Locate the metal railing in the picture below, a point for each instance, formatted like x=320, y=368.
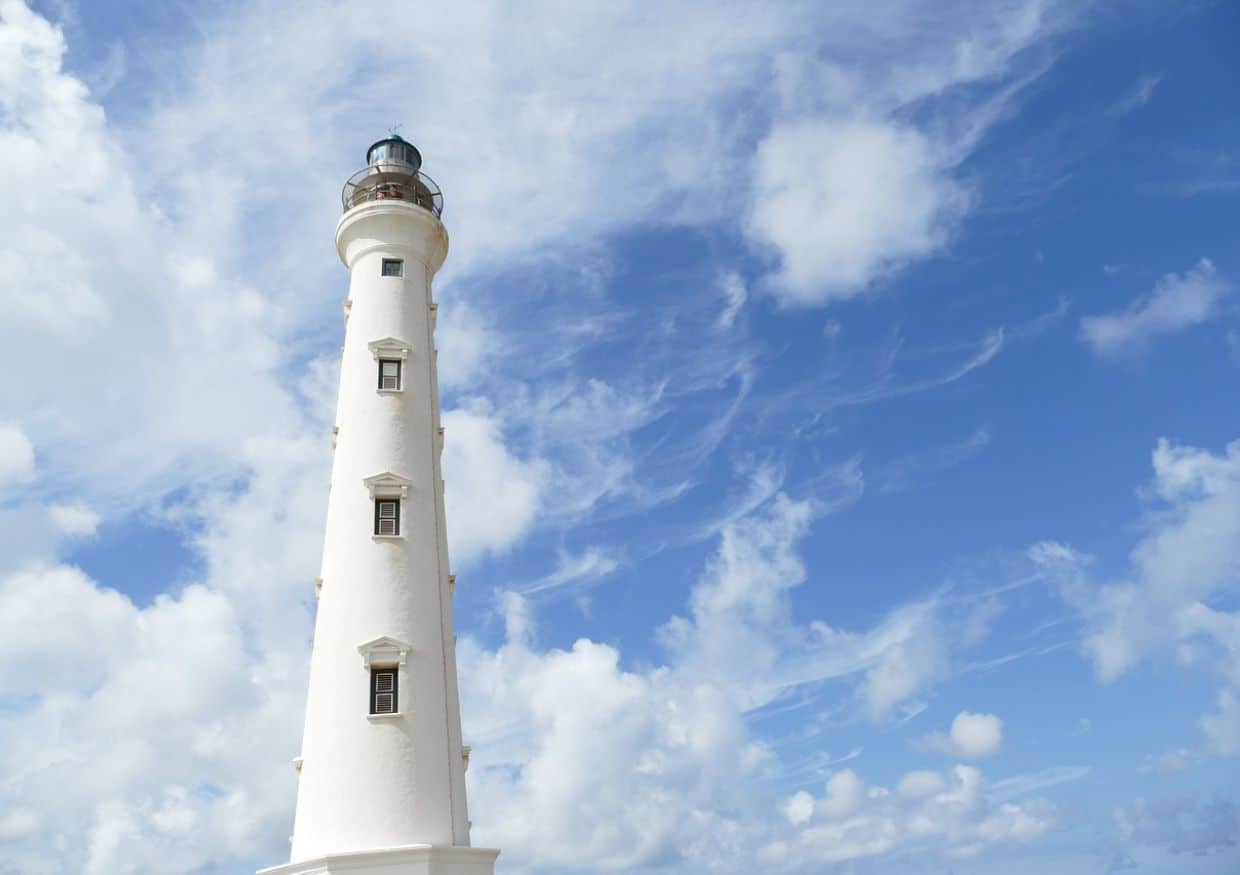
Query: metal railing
x=392, y=182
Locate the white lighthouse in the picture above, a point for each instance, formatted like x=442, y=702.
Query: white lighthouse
x=382, y=768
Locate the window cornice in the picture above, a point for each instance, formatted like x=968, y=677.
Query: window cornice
x=389, y=348
x=384, y=652
x=388, y=485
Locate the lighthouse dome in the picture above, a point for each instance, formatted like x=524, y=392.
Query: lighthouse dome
x=394, y=150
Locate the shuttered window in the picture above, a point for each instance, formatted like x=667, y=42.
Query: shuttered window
x=393, y=267
x=387, y=516
x=383, y=691
x=389, y=373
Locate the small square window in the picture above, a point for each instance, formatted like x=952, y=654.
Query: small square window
x=389, y=373
x=383, y=691
x=393, y=267
x=387, y=517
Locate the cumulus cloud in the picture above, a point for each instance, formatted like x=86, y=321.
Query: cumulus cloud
x=677, y=738
x=971, y=736
x=1187, y=558
x=210, y=335
x=552, y=801
x=139, y=709
x=854, y=820
x=675, y=734
x=98, y=672
x=491, y=495
x=1183, y=572
x=1179, y=301
x=846, y=188
x=844, y=202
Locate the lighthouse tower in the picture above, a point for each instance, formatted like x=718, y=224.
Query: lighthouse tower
x=381, y=776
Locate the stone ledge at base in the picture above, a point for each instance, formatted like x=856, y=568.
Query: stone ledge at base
x=405, y=860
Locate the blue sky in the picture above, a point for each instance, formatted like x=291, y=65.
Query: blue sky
x=841, y=419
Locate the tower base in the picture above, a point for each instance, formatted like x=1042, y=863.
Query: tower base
x=405, y=860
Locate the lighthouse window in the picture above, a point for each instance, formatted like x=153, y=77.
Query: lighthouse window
x=387, y=517
x=389, y=373
x=393, y=267
x=383, y=691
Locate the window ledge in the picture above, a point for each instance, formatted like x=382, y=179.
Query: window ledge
x=388, y=537
x=390, y=391
x=383, y=716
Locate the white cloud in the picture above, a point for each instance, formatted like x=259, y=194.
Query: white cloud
x=492, y=497
x=1191, y=554
x=540, y=788
x=972, y=736
x=844, y=202
x=677, y=739
x=1184, y=569
x=732, y=287
x=585, y=429
x=1023, y=785
x=16, y=456
x=976, y=735
x=119, y=303
x=1178, y=301
x=855, y=821
x=574, y=571
x=1138, y=96
x=846, y=190
x=98, y=673
x=75, y=520
x=468, y=343
x=139, y=709
x=799, y=808
x=1188, y=557
x=910, y=653
x=1053, y=553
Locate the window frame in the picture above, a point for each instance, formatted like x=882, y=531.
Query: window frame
x=398, y=263
x=385, y=670
x=395, y=517
x=400, y=374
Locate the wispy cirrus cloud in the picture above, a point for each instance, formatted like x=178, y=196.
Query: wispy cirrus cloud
x=1138, y=96
x=574, y=571
x=903, y=473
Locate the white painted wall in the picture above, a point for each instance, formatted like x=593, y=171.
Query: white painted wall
x=373, y=783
